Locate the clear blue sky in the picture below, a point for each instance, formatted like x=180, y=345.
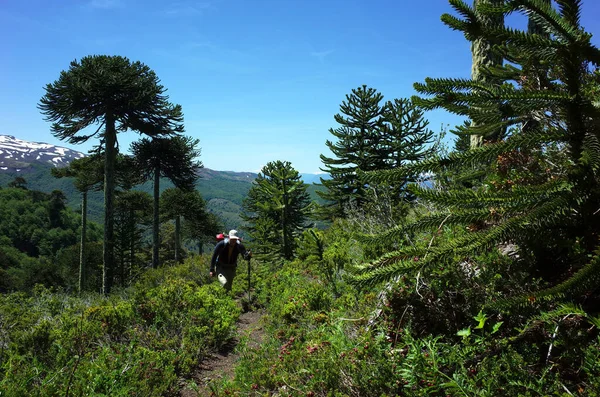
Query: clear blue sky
x=259, y=80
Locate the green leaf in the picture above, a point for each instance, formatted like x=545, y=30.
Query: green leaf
x=481, y=318
x=464, y=332
x=497, y=326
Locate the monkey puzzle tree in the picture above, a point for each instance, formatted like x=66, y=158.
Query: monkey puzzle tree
x=359, y=131
x=279, y=198
x=405, y=138
x=172, y=158
x=554, y=217
x=87, y=173
x=202, y=229
x=117, y=95
x=132, y=213
x=177, y=204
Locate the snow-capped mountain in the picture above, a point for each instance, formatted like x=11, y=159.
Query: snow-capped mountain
x=17, y=154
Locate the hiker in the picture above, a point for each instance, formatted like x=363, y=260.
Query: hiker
x=224, y=260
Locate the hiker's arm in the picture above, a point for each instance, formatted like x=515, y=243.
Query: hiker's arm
x=213, y=260
x=246, y=254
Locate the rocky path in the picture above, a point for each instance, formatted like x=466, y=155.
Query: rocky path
x=221, y=365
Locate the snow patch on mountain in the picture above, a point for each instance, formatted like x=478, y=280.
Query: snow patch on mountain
x=18, y=154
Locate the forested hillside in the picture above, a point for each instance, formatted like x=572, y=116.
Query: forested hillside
x=223, y=190
x=469, y=268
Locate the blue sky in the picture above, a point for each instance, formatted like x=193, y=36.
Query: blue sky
x=259, y=80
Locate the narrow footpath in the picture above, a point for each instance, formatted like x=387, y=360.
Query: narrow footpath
x=221, y=365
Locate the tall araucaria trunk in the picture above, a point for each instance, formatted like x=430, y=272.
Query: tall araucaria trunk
x=156, y=220
x=110, y=139
x=482, y=55
x=83, y=238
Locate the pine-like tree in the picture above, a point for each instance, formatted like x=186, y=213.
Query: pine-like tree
x=277, y=199
x=133, y=210
x=202, y=229
x=88, y=173
x=172, y=158
x=405, y=139
x=114, y=93
x=359, y=133
x=177, y=204
x=555, y=212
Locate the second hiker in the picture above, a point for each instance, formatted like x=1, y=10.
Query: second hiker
x=224, y=260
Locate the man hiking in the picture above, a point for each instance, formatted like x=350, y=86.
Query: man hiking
x=224, y=260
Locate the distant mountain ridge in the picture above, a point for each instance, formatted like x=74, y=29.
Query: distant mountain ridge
x=224, y=191
x=18, y=155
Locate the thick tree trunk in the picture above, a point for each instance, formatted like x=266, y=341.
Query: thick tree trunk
x=110, y=139
x=482, y=55
x=83, y=238
x=177, y=234
x=156, y=221
x=200, y=247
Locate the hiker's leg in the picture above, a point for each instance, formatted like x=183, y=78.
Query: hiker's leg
x=230, y=275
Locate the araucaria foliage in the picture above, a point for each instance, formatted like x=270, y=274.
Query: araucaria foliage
x=119, y=95
x=276, y=210
x=371, y=136
x=550, y=213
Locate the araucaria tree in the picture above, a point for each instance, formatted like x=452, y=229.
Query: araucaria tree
x=405, y=139
x=172, y=158
x=277, y=198
x=177, y=204
x=133, y=216
x=88, y=173
x=358, y=133
x=550, y=214
x=372, y=136
x=117, y=95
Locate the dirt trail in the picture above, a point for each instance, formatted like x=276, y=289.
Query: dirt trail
x=222, y=364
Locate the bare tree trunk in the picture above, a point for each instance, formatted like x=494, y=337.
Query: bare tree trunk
x=155, y=224
x=83, y=238
x=110, y=139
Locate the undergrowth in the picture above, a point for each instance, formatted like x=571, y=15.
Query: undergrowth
x=137, y=342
